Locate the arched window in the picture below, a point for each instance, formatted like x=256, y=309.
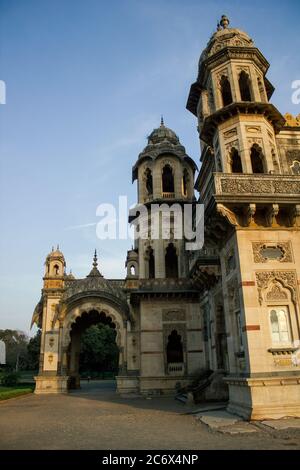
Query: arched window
x=171, y=262
x=261, y=90
x=151, y=264
x=279, y=325
x=56, y=269
x=174, y=348
x=167, y=179
x=296, y=167
x=149, y=182
x=185, y=179
x=236, y=163
x=132, y=270
x=226, y=91
x=244, y=84
x=257, y=159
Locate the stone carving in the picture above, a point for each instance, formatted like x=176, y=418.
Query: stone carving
x=253, y=129
x=173, y=315
x=255, y=140
x=289, y=187
x=292, y=155
x=230, y=145
x=286, y=278
x=230, y=133
x=291, y=121
x=271, y=214
x=284, y=252
x=227, y=213
x=249, y=213
x=237, y=185
x=257, y=184
x=294, y=216
x=276, y=293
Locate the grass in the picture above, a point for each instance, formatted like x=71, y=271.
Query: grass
x=16, y=391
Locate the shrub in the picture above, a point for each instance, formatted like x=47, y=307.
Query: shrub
x=9, y=379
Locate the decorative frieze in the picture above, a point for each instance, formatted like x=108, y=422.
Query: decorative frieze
x=257, y=184
x=173, y=315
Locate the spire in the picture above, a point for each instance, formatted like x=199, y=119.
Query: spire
x=162, y=124
x=95, y=272
x=224, y=22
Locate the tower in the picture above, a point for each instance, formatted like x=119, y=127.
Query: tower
x=250, y=188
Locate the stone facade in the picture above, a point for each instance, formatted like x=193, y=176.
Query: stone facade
x=231, y=307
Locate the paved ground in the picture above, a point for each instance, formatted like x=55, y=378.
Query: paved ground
x=96, y=418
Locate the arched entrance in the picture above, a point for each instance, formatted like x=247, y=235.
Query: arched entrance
x=80, y=315
x=79, y=328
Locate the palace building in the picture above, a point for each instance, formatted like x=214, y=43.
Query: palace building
x=231, y=308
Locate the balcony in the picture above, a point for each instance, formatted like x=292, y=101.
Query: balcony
x=254, y=188
x=168, y=195
x=176, y=368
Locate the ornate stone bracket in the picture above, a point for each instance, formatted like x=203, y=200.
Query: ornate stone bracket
x=271, y=214
x=249, y=213
x=295, y=216
x=228, y=214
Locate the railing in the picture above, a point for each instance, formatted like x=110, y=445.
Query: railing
x=168, y=195
x=176, y=368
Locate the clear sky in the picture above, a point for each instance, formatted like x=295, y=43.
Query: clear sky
x=87, y=81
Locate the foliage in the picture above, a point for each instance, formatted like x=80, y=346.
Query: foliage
x=10, y=378
x=99, y=351
x=16, y=348
x=33, y=351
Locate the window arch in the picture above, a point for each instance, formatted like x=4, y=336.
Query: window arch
x=296, y=167
x=257, y=159
x=279, y=325
x=149, y=181
x=171, y=261
x=151, y=263
x=225, y=91
x=56, y=269
x=132, y=270
x=236, y=162
x=244, y=84
x=185, y=179
x=174, y=348
x=167, y=179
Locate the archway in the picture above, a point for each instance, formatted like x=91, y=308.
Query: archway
x=92, y=346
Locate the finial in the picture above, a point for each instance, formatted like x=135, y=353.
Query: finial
x=52, y=249
x=57, y=247
x=224, y=22
x=162, y=121
x=95, y=262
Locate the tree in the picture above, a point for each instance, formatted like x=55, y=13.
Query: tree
x=99, y=351
x=33, y=351
x=16, y=348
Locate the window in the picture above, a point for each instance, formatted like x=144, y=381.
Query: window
x=171, y=262
x=244, y=84
x=236, y=163
x=279, y=325
x=132, y=270
x=56, y=269
x=226, y=91
x=167, y=179
x=185, y=182
x=151, y=264
x=149, y=182
x=257, y=159
x=174, y=348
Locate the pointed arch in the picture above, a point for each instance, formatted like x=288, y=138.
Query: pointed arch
x=149, y=181
x=257, y=159
x=225, y=91
x=236, y=162
x=167, y=179
x=171, y=261
x=245, y=86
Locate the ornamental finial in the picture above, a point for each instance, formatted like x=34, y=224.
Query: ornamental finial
x=162, y=121
x=224, y=22
x=95, y=261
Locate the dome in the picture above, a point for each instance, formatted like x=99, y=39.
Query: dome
x=225, y=37
x=163, y=134
x=55, y=254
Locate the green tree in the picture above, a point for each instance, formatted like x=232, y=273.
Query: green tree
x=16, y=348
x=33, y=351
x=99, y=351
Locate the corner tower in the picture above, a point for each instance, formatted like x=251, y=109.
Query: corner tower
x=248, y=271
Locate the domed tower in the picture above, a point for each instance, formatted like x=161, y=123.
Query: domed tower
x=250, y=187
x=165, y=175
x=55, y=265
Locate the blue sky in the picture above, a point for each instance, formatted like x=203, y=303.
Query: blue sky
x=87, y=81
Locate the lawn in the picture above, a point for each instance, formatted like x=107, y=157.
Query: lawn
x=17, y=390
